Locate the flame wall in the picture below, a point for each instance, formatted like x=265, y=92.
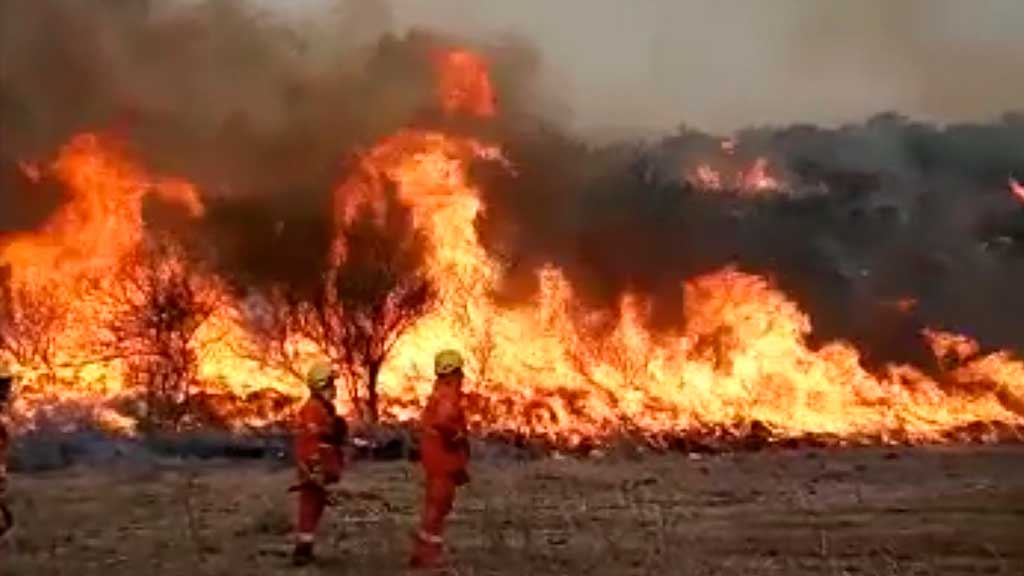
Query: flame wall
x=815, y=281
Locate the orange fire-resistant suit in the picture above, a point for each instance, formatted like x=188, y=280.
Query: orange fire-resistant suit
x=444, y=454
x=319, y=438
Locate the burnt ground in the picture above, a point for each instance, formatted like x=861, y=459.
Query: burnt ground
x=836, y=511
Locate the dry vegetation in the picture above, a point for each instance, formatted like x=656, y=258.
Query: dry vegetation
x=835, y=512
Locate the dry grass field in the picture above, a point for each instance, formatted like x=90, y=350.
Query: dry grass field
x=928, y=511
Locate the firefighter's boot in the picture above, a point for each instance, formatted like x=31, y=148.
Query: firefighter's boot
x=302, y=555
x=427, y=551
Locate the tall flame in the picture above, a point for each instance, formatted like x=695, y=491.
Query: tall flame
x=103, y=219
x=464, y=84
x=739, y=355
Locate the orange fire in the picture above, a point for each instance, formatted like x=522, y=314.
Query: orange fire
x=548, y=367
x=66, y=278
x=464, y=84
x=103, y=219
x=740, y=353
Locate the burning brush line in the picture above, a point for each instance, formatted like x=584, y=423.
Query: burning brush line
x=121, y=324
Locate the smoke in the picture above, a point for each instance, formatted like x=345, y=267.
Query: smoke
x=25, y=201
x=945, y=60
x=628, y=67
x=263, y=110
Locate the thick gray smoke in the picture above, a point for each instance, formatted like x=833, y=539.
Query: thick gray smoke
x=263, y=109
x=874, y=214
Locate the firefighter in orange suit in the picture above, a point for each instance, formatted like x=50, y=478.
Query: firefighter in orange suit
x=444, y=452
x=320, y=436
x=6, y=383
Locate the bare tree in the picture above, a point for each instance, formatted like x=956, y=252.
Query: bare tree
x=275, y=320
x=31, y=325
x=478, y=327
x=373, y=296
x=159, y=305
x=368, y=298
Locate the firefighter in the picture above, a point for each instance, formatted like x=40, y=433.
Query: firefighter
x=320, y=435
x=444, y=452
x=6, y=383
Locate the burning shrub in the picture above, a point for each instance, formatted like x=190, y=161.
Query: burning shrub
x=158, y=305
x=373, y=292
x=377, y=292
x=31, y=321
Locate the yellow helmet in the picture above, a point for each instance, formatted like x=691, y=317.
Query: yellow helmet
x=446, y=362
x=319, y=376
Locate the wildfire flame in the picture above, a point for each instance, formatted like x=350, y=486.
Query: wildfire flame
x=750, y=181
x=103, y=219
x=548, y=367
x=757, y=178
x=464, y=84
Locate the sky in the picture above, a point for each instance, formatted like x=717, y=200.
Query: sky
x=721, y=65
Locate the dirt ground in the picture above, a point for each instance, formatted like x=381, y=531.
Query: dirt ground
x=837, y=512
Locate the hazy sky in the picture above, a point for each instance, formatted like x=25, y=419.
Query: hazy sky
x=722, y=64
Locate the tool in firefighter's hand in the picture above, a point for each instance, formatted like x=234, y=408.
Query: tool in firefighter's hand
x=454, y=441
x=312, y=473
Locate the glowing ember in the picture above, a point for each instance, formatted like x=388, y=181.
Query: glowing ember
x=707, y=178
x=757, y=178
x=1017, y=189
x=30, y=170
x=754, y=180
x=904, y=305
